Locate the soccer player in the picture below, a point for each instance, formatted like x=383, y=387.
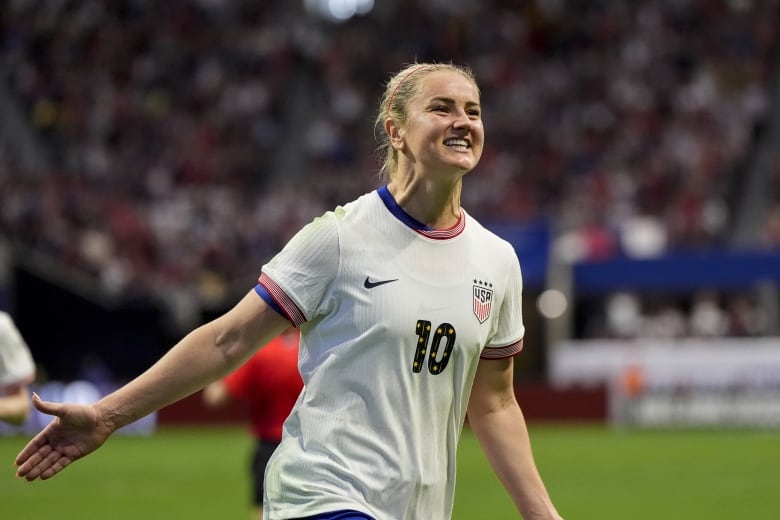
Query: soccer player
x=17, y=371
x=410, y=319
x=270, y=383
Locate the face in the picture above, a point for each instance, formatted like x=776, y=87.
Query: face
x=443, y=131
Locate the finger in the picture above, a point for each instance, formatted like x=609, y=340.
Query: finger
x=37, y=443
x=36, y=446
x=44, y=464
x=32, y=474
x=32, y=462
x=49, y=465
x=45, y=406
x=58, y=466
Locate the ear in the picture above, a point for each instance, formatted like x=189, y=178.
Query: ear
x=395, y=133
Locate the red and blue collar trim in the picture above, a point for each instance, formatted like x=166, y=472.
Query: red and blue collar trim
x=411, y=222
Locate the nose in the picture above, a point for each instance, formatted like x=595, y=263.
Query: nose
x=461, y=120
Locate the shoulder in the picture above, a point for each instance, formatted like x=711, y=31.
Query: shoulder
x=487, y=239
x=343, y=214
x=366, y=203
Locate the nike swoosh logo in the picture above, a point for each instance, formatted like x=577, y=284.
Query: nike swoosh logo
x=368, y=284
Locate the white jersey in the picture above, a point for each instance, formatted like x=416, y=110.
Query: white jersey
x=394, y=318
x=16, y=363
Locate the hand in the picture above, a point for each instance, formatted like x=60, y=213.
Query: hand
x=76, y=431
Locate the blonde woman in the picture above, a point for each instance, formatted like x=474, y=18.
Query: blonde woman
x=410, y=318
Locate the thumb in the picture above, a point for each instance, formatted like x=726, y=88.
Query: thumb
x=45, y=406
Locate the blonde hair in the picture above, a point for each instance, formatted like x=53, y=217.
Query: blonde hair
x=399, y=91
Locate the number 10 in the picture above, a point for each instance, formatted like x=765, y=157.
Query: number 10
x=436, y=364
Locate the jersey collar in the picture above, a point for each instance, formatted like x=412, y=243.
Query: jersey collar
x=411, y=222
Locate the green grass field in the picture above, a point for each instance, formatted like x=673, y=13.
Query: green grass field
x=593, y=472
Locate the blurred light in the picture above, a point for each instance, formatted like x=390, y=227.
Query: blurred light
x=551, y=303
x=339, y=10
x=82, y=392
x=643, y=237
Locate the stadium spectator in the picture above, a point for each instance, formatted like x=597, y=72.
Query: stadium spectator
x=707, y=318
x=747, y=318
x=410, y=316
x=270, y=384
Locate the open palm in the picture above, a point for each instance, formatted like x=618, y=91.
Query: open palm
x=75, y=432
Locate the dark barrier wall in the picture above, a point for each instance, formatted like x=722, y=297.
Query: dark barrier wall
x=540, y=402
x=69, y=335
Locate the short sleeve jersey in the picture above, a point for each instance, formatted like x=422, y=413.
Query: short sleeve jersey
x=270, y=383
x=16, y=363
x=394, y=318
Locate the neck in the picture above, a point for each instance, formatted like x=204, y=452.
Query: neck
x=435, y=204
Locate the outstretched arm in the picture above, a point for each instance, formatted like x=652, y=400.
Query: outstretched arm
x=498, y=423
x=207, y=353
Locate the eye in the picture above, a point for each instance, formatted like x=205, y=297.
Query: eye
x=440, y=108
x=474, y=112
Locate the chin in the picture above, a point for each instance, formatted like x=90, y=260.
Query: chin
x=465, y=166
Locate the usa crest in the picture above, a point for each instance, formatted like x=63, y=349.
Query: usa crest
x=483, y=299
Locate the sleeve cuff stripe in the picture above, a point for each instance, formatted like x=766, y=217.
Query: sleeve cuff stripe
x=289, y=307
x=506, y=351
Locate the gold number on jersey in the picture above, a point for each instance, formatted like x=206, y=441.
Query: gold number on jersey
x=436, y=363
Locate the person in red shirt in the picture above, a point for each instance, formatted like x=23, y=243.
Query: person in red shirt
x=270, y=383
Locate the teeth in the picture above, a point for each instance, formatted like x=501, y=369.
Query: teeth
x=456, y=142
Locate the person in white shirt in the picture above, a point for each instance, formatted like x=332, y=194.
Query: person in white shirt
x=17, y=371
x=410, y=318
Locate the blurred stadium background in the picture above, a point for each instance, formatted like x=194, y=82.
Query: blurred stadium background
x=154, y=154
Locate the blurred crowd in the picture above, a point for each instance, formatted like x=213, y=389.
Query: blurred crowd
x=184, y=141
x=706, y=313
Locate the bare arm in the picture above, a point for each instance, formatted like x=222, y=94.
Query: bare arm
x=15, y=406
x=207, y=353
x=499, y=425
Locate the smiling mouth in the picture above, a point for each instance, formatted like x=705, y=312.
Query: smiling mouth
x=457, y=144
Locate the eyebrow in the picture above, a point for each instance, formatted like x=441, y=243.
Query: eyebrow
x=451, y=101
